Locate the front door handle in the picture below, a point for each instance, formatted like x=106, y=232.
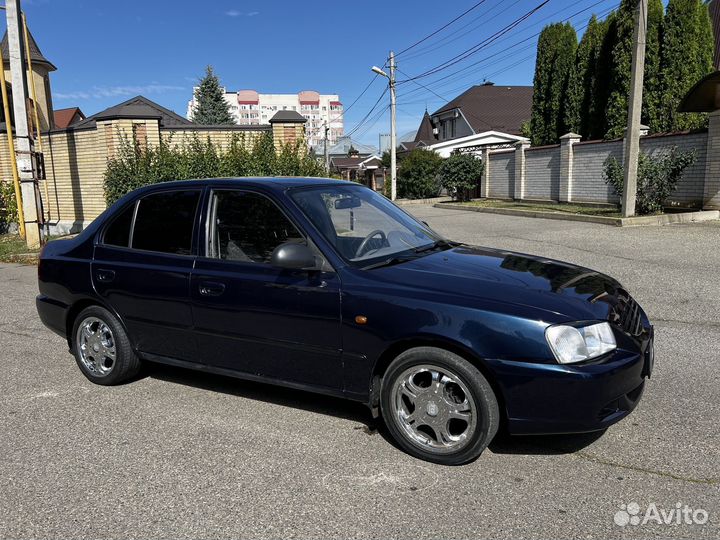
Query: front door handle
x=211, y=288
x=105, y=276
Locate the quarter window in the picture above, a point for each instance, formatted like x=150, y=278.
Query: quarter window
x=248, y=227
x=164, y=222
x=118, y=233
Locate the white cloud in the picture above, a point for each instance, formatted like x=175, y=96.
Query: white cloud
x=236, y=13
x=97, y=92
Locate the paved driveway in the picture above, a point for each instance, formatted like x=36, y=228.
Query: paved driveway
x=183, y=455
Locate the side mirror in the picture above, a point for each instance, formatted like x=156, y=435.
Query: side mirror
x=293, y=256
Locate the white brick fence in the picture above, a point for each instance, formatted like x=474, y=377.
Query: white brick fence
x=572, y=171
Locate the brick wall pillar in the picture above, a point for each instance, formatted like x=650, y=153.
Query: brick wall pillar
x=711, y=194
x=566, y=165
x=485, y=180
x=287, y=133
x=519, y=184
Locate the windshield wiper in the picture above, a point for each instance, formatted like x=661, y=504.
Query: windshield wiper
x=436, y=244
x=387, y=262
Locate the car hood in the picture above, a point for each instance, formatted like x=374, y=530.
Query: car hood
x=568, y=291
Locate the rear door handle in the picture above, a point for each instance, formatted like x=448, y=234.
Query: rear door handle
x=105, y=276
x=211, y=288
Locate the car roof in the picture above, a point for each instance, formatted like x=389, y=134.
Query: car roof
x=272, y=182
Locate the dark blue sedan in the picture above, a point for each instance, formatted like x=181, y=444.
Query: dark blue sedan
x=327, y=286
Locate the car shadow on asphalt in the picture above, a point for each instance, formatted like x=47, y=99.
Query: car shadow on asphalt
x=268, y=393
x=544, y=445
x=355, y=411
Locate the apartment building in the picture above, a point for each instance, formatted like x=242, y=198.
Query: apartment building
x=249, y=107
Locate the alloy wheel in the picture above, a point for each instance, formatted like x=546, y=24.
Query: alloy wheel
x=96, y=346
x=434, y=408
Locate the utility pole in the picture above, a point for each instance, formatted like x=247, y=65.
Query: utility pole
x=632, y=135
x=393, y=134
x=31, y=201
x=326, y=150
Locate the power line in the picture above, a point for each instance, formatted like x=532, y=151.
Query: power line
x=493, y=55
x=484, y=43
x=441, y=28
x=445, y=41
x=346, y=109
x=447, y=100
x=373, y=121
x=365, y=118
x=503, y=69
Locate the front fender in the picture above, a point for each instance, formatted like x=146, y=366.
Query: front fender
x=398, y=320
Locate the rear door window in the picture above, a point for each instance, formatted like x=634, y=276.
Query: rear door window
x=164, y=222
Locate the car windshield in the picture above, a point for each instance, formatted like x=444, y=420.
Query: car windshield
x=364, y=226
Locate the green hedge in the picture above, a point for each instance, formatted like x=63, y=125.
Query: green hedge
x=8, y=204
x=417, y=176
x=657, y=177
x=460, y=175
x=135, y=166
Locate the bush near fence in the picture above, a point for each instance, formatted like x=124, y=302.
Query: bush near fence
x=135, y=166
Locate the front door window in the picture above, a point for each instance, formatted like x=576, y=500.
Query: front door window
x=248, y=227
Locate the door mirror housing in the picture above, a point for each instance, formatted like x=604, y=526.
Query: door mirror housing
x=293, y=256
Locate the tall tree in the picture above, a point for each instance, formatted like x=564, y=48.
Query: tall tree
x=652, y=85
x=603, y=55
x=578, y=96
x=210, y=105
x=686, y=57
x=555, y=58
x=620, y=68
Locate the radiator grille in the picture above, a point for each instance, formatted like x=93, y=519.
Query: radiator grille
x=627, y=314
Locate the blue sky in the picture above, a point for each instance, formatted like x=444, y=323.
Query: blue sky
x=108, y=51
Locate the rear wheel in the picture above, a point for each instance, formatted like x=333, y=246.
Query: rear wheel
x=102, y=349
x=438, y=406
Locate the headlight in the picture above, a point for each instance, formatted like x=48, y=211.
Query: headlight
x=570, y=344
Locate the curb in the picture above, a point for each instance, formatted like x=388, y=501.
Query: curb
x=662, y=219
x=433, y=200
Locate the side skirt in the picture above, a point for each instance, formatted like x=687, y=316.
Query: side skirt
x=251, y=377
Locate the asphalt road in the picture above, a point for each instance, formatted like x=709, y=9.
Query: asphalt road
x=182, y=455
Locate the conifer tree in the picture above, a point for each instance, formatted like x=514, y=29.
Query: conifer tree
x=210, y=105
x=597, y=120
x=652, y=86
x=555, y=58
x=581, y=81
x=686, y=57
x=620, y=71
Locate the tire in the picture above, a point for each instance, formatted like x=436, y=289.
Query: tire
x=454, y=414
x=103, y=352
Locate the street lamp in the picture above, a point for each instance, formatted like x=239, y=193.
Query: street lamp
x=393, y=137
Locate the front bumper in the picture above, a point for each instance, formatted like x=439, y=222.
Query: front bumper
x=553, y=399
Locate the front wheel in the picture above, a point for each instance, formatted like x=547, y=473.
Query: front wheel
x=438, y=406
x=102, y=349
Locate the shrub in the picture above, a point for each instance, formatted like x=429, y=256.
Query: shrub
x=135, y=166
x=460, y=174
x=657, y=177
x=418, y=175
x=8, y=205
